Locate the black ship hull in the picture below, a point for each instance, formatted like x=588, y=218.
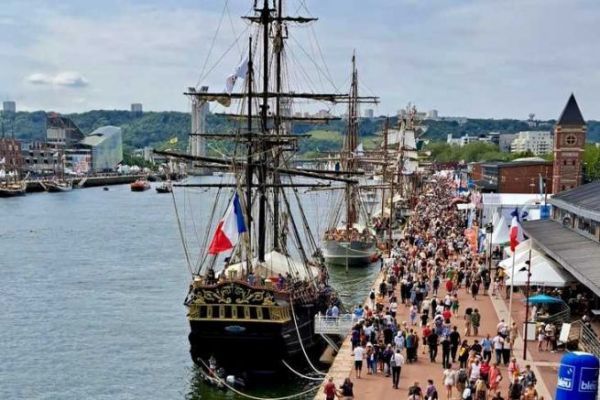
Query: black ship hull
x=252, y=346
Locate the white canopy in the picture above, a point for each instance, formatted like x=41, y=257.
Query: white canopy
x=275, y=263
x=544, y=272
x=523, y=246
x=465, y=206
x=521, y=255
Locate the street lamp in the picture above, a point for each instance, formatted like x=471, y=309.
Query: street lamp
x=489, y=229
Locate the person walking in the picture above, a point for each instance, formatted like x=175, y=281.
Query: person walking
x=445, y=351
x=487, y=346
x=449, y=378
x=359, y=354
x=476, y=321
x=346, y=391
x=495, y=377
x=396, y=362
x=431, y=392
x=463, y=354
x=498, y=342
x=329, y=389
x=454, y=343
x=432, y=342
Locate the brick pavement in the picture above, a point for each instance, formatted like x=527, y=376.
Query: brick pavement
x=380, y=387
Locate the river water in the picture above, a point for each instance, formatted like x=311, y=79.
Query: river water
x=91, y=290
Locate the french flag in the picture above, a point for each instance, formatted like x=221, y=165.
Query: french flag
x=515, y=233
x=229, y=228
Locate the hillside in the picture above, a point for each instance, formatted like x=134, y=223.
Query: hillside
x=156, y=128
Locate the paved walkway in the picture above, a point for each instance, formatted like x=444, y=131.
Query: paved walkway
x=380, y=387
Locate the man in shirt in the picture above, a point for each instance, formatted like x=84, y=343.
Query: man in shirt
x=454, y=342
x=358, y=354
x=498, y=343
x=396, y=362
x=329, y=389
x=432, y=342
x=475, y=321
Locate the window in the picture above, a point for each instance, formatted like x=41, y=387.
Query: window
x=571, y=140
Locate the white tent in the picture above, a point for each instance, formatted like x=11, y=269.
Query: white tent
x=544, y=272
x=523, y=246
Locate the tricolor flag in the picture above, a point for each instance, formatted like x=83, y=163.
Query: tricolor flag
x=229, y=228
x=515, y=233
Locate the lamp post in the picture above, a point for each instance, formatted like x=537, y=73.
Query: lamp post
x=489, y=229
x=528, y=268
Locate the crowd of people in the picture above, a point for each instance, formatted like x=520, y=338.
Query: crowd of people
x=417, y=313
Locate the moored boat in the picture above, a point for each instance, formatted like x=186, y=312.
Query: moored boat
x=140, y=185
x=165, y=187
x=58, y=186
x=12, y=189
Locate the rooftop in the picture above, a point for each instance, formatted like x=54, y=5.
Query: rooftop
x=583, y=200
x=96, y=137
x=571, y=115
x=576, y=253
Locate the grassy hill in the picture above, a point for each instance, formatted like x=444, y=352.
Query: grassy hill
x=156, y=128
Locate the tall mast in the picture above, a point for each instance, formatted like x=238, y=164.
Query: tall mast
x=265, y=20
x=278, y=53
x=249, y=156
x=384, y=168
x=351, y=144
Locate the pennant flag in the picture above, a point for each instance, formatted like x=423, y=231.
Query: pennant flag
x=515, y=233
x=229, y=228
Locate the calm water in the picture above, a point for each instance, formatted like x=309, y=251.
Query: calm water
x=91, y=292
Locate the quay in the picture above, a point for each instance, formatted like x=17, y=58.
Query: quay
x=36, y=185
x=492, y=308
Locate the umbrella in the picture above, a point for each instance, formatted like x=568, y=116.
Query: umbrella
x=544, y=299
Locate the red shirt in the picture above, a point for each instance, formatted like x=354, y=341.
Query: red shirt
x=330, y=390
x=449, y=285
x=446, y=314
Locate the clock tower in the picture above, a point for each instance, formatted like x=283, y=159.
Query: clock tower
x=569, y=143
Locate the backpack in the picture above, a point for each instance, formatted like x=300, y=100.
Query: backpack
x=467, y=393
x=393, y=361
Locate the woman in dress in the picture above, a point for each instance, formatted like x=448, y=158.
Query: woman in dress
x=495, y=377
x=449, y=378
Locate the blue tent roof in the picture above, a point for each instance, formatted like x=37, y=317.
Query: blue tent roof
x=544, y=299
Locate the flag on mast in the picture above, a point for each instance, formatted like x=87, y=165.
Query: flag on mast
x=240, y=72
x=515, y=233
x=229, y=228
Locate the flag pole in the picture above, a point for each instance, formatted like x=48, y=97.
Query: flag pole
x=512, y=285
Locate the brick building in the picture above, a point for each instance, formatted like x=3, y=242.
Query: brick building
x=512, y=177
x=569, y=144
x=10, y=154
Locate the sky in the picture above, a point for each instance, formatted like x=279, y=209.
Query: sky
x=473, y=58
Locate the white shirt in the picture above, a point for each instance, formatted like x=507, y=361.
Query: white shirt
x=399, y=359
x=475, y=371
x=498, y=342
x=358, y=353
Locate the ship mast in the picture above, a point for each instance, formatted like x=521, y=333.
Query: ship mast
x=351, y=145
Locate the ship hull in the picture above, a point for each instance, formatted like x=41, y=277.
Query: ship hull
x=58, y=188
x=12, y=193
x=254, y=347
x=353, y=254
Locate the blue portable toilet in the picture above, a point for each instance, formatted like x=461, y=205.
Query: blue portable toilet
x=577, y=377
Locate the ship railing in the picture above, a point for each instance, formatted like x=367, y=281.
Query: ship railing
x=239, y=312
x=341, y=325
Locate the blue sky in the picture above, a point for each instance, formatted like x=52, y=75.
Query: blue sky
x=480, y=58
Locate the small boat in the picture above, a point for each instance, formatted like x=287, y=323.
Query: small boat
x=105, y=188
x=12, y=189
x=140, y=185
x=166, y=187
x=58, y=186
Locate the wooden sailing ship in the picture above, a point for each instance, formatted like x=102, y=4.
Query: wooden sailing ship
x=13, y=188
x=350, y=242
x=253, y=305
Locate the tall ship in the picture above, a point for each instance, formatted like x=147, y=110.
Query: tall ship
x=59, y=184
x=350, y=240
x=260, y=279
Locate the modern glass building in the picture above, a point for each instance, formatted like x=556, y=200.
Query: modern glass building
x=106, y=147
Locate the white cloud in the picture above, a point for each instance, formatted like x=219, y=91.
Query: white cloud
x=70, y=79
x=39, y=79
